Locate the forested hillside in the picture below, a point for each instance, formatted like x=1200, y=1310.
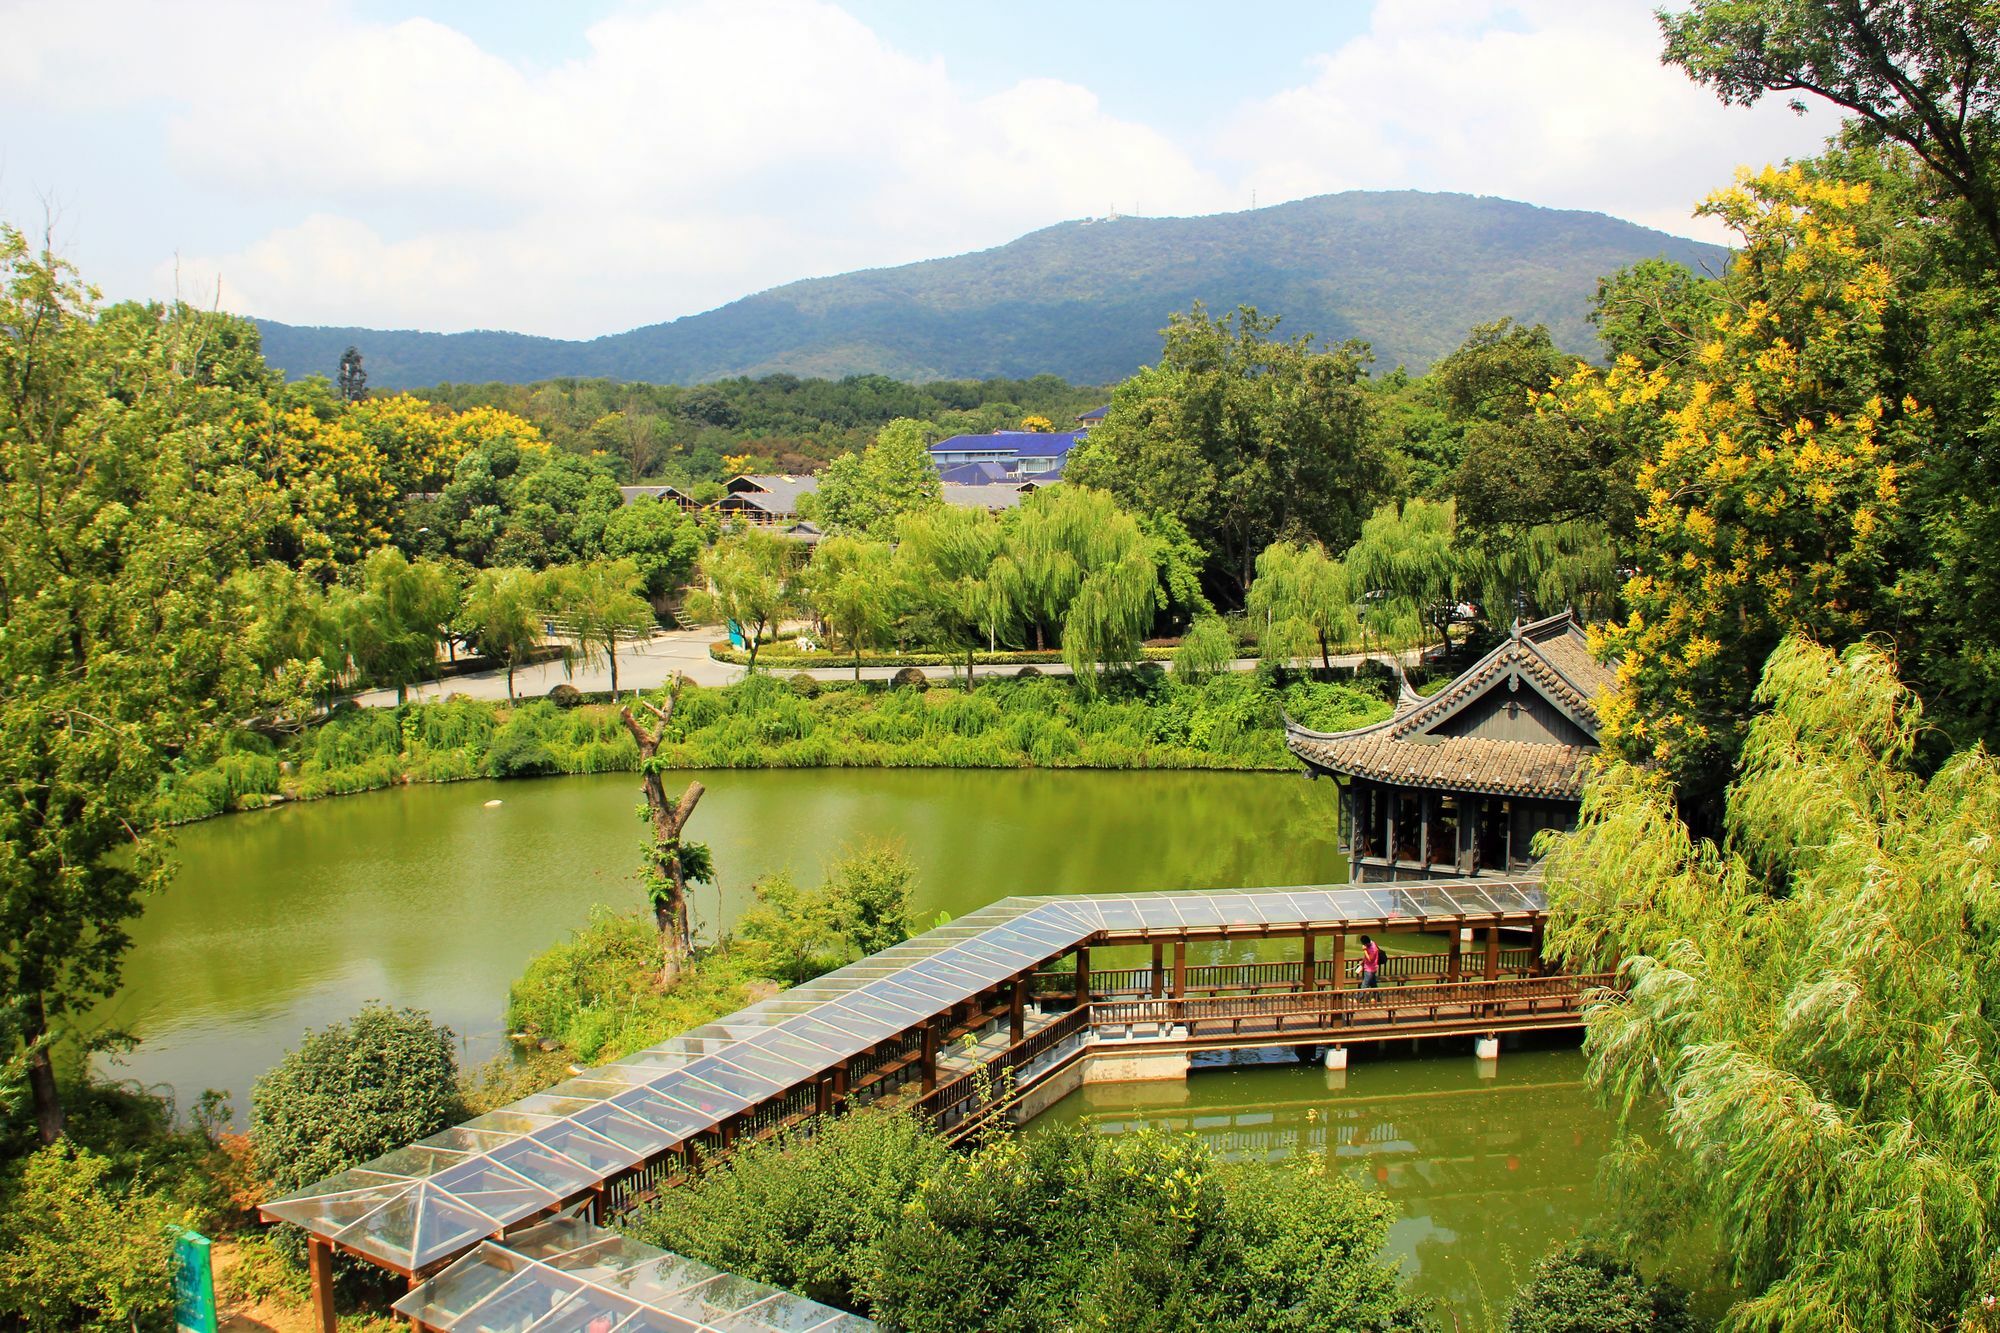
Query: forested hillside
x=1407, y=271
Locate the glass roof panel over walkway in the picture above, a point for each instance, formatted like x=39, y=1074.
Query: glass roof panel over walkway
x=428, y=1203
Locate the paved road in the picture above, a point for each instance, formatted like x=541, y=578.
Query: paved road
x=650, y=665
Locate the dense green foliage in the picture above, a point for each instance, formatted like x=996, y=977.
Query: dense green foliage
x=794, y=934
x=1406, y=270
x=1814, y=1002
x=81, y=1251
x=1582, y=1288
x=1058, y=1229
x=1141, y=720
x=353, y=1091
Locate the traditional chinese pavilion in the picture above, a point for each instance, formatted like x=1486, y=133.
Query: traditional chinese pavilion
x=1460, y=783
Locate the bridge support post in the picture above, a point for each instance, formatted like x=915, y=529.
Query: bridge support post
x=1082, y=977
x=1336, y=1057
x=1017, y=1011
x=1159, y=970
x=1308, y=973
x=1486, y=1048
x=929, y=1056
x=1180, y=969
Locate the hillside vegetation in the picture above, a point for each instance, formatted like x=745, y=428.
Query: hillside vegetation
x=1409, y=272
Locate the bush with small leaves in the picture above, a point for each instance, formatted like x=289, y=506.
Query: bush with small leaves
x=805, y=685
x=909, y=676
x=1583, y=1288
x=565, y=695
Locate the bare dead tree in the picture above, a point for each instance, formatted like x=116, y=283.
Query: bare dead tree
x=669, y=865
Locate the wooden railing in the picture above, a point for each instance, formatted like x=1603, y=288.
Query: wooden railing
x=971, y=1098
x=1452, y=1005
x=1398, y=969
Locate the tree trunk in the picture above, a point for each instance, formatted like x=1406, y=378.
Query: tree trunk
x=968, y=669
x=42, y=1074
x=857, y=664
x=669, y=818
x=510, y=678
x=1325, y=657
x=611, y=651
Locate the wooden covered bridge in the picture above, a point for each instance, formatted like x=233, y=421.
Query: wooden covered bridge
x=994, y=1014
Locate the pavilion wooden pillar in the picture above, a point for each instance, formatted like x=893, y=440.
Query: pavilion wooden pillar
x=1082, y=977
x=1339, y=958
x=320, y=1260
x=823, y=1097
x=1017, y=1011
x=1424, y=829
x=929, y=1057
x=1454, y=965
x=1159, y=969
x=1535, y=962
x=840, y=1079
x=1493, y=953
x=1308, y=980
x=1180, y=968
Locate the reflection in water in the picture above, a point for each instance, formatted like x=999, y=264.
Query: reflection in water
x=293, y=917
x=1488, y=1168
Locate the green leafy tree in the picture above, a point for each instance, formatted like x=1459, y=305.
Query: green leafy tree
x=956, y=569
x=1207, y=648
x=353, y=1091
x=1925, y=75
x=505, y=615
x=659, y=538
x=750, y=577
x=853, y=585
x=1409, y=570
x=1814, y=1000
x=599, y=603
x=1244, y=437
x=1301, y=599
x=293, y=637
x=1076, y=561
x=1582, y=1288
x=123, y=513
x=869, y=492
x=80, y=1251
x=862, y=908
x=393, y=618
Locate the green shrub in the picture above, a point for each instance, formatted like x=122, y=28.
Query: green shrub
x=565, y=695
x=794, y=935
x=78, y=1250
x=1062, y=1228
x=1581, y=1288
x=353, y=1091
x=909, y=675
x=805, y=685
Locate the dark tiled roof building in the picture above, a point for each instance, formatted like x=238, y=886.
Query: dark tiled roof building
x=1459, y=783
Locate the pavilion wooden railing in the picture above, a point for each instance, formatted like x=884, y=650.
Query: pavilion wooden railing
x=973, y=1098
x=959, y=1106
x=1399, y=969
x=1512, y=1001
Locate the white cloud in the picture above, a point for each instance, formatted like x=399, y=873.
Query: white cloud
x=1559, y=104
x=698, y=150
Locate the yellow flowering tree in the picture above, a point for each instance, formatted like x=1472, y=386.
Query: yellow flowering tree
x=1773, y=463
x=333, y=481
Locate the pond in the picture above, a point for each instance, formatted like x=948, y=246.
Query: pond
x=1488, y=1163
x=290, y=918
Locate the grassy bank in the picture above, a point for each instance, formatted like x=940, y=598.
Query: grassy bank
x=1145, y=720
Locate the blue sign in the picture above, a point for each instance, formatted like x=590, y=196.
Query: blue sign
x=194, y=1284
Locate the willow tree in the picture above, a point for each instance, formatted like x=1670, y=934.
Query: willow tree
x=1078, y=561
x=1302, y=598
x=1409, y=570
x=750, y=577
x=852, y=584
x=671, y=864
x=1816, y=1003
x=505, y=616
x=601, y=603
x=965, y=583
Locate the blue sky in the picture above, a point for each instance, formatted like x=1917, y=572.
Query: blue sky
x=581, y=169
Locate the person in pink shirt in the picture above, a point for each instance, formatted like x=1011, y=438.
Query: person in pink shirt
x=1371, y=963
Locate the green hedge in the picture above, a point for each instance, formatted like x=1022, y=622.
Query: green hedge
x=777, y=657
x=1137, y=720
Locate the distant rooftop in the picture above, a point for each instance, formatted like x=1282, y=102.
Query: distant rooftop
x=1020, y=443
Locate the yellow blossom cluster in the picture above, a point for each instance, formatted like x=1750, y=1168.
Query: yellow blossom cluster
x=1771, y=467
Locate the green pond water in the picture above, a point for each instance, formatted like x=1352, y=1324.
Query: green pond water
x=293, y=917
x=1488, y=1163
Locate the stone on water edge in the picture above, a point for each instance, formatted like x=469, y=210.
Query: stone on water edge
x=490, y=804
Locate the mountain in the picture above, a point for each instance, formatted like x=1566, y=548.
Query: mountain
x=1407, y=271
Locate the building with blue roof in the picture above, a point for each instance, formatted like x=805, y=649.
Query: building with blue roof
x=1018, y=455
